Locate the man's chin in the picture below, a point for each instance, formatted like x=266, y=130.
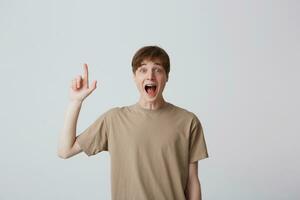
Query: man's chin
x=149, y=98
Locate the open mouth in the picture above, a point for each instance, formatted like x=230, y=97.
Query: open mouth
x=150, y=89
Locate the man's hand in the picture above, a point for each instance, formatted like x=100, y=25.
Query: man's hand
x=80, y=88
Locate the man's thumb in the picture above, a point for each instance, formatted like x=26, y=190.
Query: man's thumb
x=93, y=86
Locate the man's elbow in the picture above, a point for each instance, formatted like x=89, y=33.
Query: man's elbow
x=62, y=154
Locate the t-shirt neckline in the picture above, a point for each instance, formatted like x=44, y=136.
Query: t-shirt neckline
x=139, y=107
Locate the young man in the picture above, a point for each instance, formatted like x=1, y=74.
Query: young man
x=154, y=145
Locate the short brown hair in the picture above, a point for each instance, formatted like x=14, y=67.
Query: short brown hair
x=151, y=53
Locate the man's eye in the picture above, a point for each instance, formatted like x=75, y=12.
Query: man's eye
x=143, y=70
x=158, y=70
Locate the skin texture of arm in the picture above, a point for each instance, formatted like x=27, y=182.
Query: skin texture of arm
x=67, y=146
x=193, y=189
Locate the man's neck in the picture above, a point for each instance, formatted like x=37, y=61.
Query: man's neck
x=152, y=105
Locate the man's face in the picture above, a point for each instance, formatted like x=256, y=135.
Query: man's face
x=150, y=79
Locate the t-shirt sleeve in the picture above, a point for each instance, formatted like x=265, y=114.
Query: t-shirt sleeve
x=94, y=138
x=197, y=147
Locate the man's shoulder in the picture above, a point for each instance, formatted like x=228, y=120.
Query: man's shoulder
x=116, y=110
x=112, y=111
x=183, y=111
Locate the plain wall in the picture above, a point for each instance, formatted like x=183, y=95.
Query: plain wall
x=235, y=64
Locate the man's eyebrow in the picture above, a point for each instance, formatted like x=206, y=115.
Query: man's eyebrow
x=157, y=63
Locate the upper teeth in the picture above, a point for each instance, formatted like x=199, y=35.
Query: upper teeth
x=150, y=84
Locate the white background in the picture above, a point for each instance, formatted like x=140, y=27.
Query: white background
x=233, y=63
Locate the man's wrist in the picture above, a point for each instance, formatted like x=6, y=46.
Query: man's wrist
x=75, y=102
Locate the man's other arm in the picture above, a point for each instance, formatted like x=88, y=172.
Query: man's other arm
x=193, y=188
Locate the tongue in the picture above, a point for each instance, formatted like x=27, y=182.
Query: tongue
x=151, y=92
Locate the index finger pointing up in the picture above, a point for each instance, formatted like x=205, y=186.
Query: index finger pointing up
x=85, y=75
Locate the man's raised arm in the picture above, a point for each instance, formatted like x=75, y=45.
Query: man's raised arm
x=79, y=90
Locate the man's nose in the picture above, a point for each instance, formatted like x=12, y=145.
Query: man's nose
x=150, y=74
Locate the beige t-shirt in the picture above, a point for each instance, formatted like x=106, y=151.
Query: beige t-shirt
x=150, y=150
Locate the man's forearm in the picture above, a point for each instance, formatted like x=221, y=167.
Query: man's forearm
x=194, y=190
x=68, y=133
